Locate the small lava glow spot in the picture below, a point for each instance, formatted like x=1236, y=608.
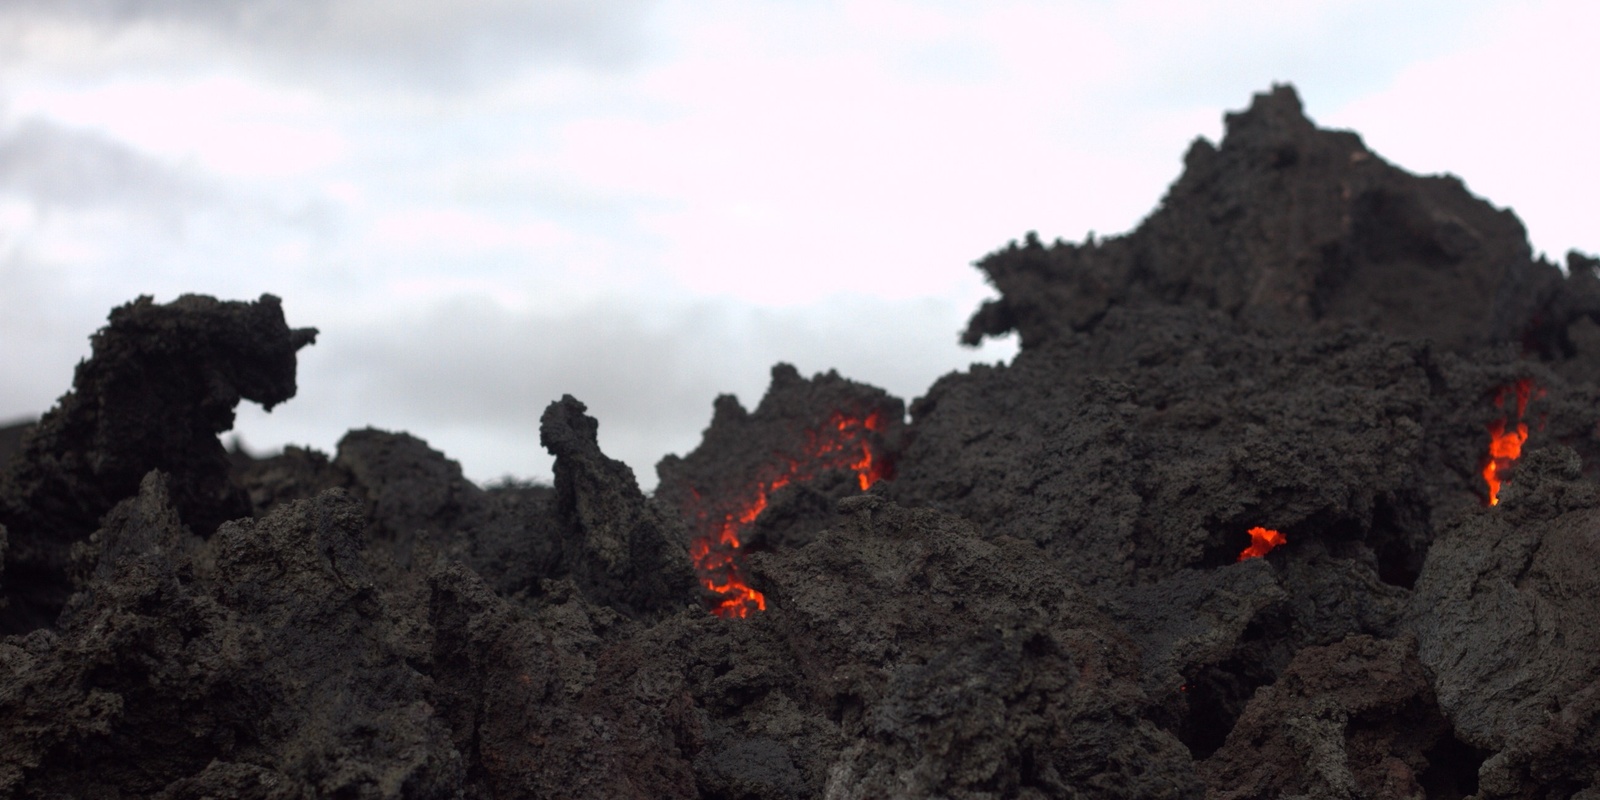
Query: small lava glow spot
x=1262, y=540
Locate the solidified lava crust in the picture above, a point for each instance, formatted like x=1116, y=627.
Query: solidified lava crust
x=1034, y=587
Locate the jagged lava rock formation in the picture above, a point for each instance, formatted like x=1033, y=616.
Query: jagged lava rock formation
x=1034, y=588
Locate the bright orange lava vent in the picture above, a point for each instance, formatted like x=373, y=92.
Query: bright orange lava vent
x=1262, y=540
x=1505, y=446
x=842, y=444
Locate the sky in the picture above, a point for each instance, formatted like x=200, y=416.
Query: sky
x=486, y=204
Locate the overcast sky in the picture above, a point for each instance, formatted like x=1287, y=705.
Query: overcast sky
x=485, y=204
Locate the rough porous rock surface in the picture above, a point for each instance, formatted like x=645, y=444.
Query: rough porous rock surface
x=263, y=660
x=161, y=383
x=964, y=668
x=1352, y=719
x=1033, y=588
x=742, y=451
x=620, y=549
x=1131, y=453
x=1505, y=615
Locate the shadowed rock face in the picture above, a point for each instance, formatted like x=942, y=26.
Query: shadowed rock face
x=621, y=550
x=264, y=660
x=1504, y=615
x=1352, y=719
x=161, y=383
x=1031, y=589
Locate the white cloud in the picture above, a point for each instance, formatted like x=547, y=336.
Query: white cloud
x=456, y=232
x=646, y=204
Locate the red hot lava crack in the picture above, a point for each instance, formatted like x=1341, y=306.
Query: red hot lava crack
x=844, y=443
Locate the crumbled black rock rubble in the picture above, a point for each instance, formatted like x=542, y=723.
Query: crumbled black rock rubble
x=1038, y=595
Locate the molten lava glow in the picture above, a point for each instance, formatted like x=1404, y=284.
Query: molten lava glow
x=1505, y=446
x=1262, y=540
x=843, y=443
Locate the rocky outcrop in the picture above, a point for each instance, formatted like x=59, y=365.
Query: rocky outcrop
x=162, y=382
x=1504, y=616
x=1287, y=223
x=620, y=549
x=1225, y=528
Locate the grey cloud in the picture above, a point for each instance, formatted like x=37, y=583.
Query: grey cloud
x=55, y=166
x=420, y=43
x=44, y=330
x=479, y=376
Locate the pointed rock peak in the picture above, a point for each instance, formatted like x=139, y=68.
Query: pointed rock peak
x=726, y=410
x=784, y=374
x=613, y=543
x=1285, y=225
x=1274, y=114
x=573, y=437
x=141, y=534
x=567, y=430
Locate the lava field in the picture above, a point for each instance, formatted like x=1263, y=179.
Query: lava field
x=1290, y=493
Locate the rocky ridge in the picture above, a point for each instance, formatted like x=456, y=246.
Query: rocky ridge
x=1032, y=588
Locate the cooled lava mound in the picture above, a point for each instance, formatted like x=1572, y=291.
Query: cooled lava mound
x=1290, y=492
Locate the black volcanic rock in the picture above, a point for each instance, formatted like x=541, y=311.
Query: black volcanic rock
x=1033, y=589
x=422, y=508
x=1154, y=444
x=1207, y=640
x=742, y=450
x=1351, y=719
x=1289, y=223
x=11, y=437
x=161, y=383
x=409, y=486
x=1505, y=613
x=959, y=667
x=620, y=549
x=263, y=657
x=570, y=702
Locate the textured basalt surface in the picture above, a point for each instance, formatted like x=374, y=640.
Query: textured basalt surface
x=162, y=382
x=1031, y=588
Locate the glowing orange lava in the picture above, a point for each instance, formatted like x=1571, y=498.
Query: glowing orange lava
x=1262, y=540
x=1505, y=446
x=843, y=443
